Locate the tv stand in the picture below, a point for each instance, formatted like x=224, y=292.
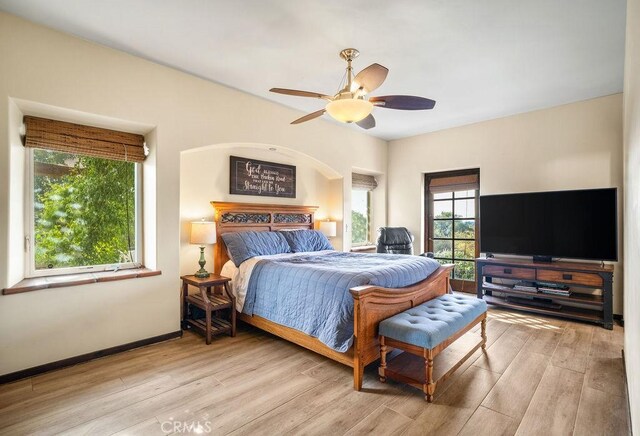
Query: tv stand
x=493, y=275
x=545, y=259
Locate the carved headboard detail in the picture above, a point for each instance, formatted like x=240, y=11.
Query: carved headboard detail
x=244, y=217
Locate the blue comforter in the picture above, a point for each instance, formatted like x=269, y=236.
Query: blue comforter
x=310, y=292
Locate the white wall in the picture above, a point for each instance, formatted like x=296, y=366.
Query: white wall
x=204, y=177
x=182, y=112
x=632, y=210
x=573, y=146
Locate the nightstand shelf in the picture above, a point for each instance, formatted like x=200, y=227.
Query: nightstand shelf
x=218, y=301
x=218, y=326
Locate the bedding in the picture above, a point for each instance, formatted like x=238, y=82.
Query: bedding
x=306, y=240
x=246, y=245
x=310, y=291
x=240, y=275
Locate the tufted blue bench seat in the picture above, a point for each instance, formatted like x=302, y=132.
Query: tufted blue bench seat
x=423, y=332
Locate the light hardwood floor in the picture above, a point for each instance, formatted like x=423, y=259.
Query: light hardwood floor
x=538, y=376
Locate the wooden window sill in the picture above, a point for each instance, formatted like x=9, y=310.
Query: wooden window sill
x=38, y=283
x=364, y=248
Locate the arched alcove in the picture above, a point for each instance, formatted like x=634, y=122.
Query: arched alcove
x=204, y=177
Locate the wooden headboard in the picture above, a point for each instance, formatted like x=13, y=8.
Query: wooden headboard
x=244, y=217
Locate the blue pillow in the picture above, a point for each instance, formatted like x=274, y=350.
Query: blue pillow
x=306, y=240
x=245, y=245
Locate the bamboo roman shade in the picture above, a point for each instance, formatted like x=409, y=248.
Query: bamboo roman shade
x=85, y=140
x=363, y=181
x=465, y=182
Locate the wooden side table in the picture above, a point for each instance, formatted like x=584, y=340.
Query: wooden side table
x=209, y=302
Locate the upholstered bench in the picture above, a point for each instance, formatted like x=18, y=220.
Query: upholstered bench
x=423, y=332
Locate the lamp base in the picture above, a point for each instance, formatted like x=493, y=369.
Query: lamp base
x=202, y=273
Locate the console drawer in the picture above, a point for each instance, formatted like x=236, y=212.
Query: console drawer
x=509, y=272
x=570, y=277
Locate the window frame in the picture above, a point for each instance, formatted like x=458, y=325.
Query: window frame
x=368, y=242
x=457, y=284
x=29, y=227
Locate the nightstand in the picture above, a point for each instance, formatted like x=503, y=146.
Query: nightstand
x=209, y=302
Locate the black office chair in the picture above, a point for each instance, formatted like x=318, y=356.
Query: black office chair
x=395, y=240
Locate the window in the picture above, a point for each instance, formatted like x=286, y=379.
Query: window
x=361, y=187
x=83, y=208
x=451, y=203
x=360, y=217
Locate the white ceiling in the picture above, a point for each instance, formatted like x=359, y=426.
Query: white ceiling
x=478, y=59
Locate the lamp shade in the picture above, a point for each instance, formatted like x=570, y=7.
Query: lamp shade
x=203, y=233
x=328, y=228
x=349, y=110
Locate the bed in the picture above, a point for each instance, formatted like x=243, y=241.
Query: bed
x=369, y=303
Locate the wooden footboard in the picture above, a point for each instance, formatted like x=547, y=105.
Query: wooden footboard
x=373, y=304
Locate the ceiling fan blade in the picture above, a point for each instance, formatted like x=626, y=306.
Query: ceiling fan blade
x=310, y=116
x=299, y=93
x=367, y=123
x=370, y=78
x=403, y=102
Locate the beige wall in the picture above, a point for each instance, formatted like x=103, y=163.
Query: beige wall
x=632, y=210
x=574, y=146
x=179, y=112
x=204, y=177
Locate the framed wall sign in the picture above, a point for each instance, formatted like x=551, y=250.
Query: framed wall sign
x=264, y=179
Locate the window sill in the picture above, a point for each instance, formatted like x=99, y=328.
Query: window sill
x=366, y=248
x=38, y=283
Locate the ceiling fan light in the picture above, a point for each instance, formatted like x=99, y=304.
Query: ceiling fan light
x=349, y=110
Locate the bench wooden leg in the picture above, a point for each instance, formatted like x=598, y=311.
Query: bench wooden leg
x=383, y=360
x=430, y=385
x=483, y=331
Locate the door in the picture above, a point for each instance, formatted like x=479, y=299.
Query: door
x=452, y=224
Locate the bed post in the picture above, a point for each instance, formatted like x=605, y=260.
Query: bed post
x=358, y=353
x=358, y=370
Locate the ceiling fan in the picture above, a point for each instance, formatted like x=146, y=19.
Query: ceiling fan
x=350, y=104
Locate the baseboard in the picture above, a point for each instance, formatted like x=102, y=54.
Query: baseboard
x=40, y=369
x=619, y=318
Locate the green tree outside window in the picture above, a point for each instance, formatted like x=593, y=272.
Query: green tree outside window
x=84, y=210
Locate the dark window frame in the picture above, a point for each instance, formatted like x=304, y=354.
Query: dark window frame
x=457, y=284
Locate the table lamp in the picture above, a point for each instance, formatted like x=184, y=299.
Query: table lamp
x=202, y=233
x=328, y=228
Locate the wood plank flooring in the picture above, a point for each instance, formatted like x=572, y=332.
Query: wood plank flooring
x=538, y=376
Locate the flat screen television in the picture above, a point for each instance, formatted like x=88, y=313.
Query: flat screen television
x=563, y=224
